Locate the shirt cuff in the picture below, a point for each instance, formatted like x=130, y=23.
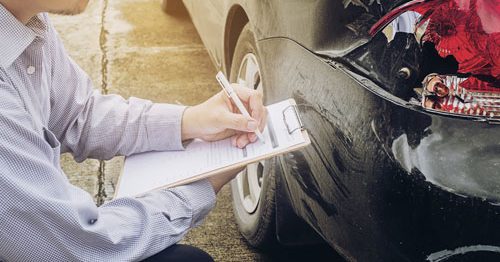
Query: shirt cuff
x=163, y=125
x=200, y=196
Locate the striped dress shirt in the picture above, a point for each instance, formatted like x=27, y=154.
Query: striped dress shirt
x=48, y=106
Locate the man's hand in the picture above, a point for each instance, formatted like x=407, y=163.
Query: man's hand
x=218, y=118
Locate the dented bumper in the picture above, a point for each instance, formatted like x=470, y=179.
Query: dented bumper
x=383, y=180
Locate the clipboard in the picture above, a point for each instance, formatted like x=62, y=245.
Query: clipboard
x=291, y=121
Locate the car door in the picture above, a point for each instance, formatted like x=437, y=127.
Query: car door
x=208, y=17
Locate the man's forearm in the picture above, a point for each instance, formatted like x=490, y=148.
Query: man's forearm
x=109, y=125
x=121, y=230
x=45, y=218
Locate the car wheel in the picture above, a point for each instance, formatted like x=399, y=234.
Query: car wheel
x=172, y=7
x=253, y=190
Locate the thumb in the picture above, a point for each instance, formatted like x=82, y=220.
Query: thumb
x=239, y=122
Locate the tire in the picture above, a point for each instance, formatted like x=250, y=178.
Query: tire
x=257, y=227
x=172, y=7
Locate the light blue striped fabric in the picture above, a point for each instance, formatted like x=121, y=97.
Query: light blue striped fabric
x=48, y=106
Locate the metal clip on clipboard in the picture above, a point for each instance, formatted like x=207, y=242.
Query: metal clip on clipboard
x=295, y=111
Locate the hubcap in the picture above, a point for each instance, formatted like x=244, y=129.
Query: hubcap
x=249, y=181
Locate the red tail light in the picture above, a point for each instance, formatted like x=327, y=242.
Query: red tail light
x=452, y=94
x=469, y=31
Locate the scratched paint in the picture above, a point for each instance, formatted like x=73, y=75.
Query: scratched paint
x=361, y=183
x=447, y=254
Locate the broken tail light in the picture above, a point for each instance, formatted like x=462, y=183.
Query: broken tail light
x=465, y=31
x=450, y=93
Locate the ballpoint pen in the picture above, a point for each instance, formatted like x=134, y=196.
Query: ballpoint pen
x=230, y=92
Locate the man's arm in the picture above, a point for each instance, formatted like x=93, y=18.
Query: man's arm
x=90, y=124
x=44, y=218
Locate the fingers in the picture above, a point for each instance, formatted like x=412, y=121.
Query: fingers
x=242, y=140
x=244, y=93
x=246, y=126
x=252, y=137
x=234, y=140
x=256, y=106
x=253, y=99
x=239, y=122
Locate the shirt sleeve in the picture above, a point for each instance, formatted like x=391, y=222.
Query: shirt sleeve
x=90, y=124
x=44, y=218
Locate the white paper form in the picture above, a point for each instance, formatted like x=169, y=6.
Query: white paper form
x=148, y=171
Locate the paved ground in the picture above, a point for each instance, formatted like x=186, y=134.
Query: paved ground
x=130, y=47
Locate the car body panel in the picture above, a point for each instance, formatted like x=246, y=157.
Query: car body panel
x=329, y=27
x=211, y=25
x=361, y=194
x=382, y=180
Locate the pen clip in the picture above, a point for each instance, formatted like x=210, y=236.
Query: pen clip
x=222, y=82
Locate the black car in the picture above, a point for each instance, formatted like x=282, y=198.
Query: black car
x=402, y=103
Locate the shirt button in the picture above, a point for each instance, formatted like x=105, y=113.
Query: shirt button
x=31, y=70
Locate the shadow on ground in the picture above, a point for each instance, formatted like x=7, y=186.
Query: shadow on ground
x=319, y=253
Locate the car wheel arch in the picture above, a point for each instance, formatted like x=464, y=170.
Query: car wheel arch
x=236, y=20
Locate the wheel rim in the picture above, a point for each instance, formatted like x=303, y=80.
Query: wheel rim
x=250, y=180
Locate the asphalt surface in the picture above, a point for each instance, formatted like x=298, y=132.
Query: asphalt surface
x=131, y=48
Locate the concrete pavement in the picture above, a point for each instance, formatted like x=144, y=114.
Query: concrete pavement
x=131, y=48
